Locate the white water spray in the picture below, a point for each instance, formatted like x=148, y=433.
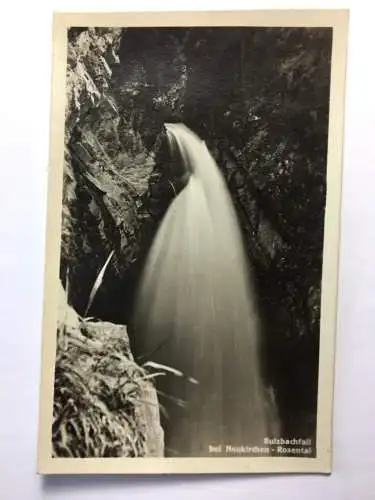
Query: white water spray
x=195, y=311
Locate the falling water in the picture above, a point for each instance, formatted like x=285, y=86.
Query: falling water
x=195, y=312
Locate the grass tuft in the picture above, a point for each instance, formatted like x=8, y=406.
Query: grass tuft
x=98, y=391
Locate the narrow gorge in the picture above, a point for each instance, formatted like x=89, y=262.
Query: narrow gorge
x=263, y=121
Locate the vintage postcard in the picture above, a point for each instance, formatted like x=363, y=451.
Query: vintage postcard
x=192, y=242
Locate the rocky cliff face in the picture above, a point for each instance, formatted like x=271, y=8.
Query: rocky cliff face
x=104, y=181
x=96, y=410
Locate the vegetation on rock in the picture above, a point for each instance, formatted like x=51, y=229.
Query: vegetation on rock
x=101, y=395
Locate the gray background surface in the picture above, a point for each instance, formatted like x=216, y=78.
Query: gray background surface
x=24, y=141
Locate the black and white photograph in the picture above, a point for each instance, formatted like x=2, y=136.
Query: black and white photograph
x=193, y=207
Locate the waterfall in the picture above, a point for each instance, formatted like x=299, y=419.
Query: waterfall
x=195, y=311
